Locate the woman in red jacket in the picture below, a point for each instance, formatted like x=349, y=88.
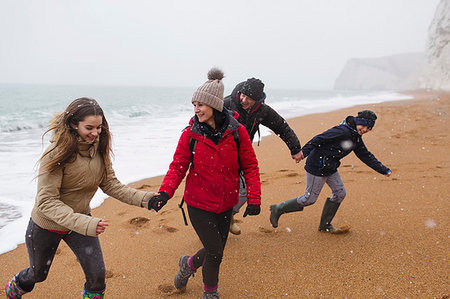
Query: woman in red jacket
x=221, y=148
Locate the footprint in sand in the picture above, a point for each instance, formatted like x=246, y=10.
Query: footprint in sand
x=121, y=213
x=169, y=289
x=265, y=230
x=110, y=274
x=164, y=212
x=165, y=228
x=362, y=171
x=138, y=221
x=292, y=174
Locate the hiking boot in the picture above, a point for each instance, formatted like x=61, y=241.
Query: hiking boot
x=234, y=228
x=12, y=289
x=210, y=295
x=182, y=277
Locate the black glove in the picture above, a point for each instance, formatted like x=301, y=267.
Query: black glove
x=252, y=210
x=158, y=201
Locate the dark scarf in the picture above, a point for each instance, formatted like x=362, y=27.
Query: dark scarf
x=221, y=120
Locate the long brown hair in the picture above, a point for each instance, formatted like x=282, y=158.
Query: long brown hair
x=65, y=137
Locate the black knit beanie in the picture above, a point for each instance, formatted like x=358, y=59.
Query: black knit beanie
x=366, y=118
x=253, y=88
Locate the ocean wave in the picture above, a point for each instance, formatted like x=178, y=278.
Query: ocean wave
x=11, y=127
x=138, y=114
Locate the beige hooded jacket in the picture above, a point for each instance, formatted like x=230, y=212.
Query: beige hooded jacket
x=63, y=196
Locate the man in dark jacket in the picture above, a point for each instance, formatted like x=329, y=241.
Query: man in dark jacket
x=324, y=153
x=247, y=99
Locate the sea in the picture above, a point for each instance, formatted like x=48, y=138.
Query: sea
x=145, y=122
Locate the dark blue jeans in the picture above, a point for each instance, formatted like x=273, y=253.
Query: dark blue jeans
x=42, y=245
x=212, y=229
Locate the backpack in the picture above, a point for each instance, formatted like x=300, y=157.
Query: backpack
x=192, y=144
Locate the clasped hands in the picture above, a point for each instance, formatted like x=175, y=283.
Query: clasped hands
x=158, y=201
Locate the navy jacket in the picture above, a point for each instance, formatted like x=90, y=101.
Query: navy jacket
x=262, y=114
x=325, y=150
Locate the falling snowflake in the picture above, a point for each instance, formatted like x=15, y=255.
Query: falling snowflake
x=430, y=223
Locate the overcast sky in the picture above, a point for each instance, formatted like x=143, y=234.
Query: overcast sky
x=300, y=44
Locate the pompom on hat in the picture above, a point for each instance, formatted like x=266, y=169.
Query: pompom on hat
x=366, y=118
x=211, y=92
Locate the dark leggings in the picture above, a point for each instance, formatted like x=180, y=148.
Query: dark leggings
x=212, y=229
x=42, y=245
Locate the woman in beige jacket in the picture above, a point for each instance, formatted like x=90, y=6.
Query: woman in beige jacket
x=71, y=170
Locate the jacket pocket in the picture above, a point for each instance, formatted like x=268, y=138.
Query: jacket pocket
x=327, y=163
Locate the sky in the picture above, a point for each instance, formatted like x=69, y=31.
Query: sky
x=295, y=44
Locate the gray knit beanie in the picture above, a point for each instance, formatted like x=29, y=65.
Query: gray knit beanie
x=211, y=92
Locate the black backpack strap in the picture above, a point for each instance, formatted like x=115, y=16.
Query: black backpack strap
x=180, y=205
x=192, y=144
x=259, y=136
x=237, y=140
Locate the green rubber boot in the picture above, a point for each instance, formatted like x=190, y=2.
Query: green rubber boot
x=329, y=210
x=286, y=206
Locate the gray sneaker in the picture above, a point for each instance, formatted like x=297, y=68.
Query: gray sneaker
x=182, y=277
x=211, y=295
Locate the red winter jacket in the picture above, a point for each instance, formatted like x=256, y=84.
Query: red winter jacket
x=213, y=181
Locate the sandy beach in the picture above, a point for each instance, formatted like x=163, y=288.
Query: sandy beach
x=398, y=246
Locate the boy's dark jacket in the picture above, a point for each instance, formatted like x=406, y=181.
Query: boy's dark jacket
x=264, y=115
x=326, y=149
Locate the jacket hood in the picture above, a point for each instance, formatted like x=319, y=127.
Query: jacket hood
x=350, y=123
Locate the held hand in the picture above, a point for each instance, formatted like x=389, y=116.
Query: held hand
x=298, y=157
x=158, y=201
x=101, y=227
x=252, y=210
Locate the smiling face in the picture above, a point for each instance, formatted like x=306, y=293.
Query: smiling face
x=362, y=129
x=246, y=102
x=89, y=128
x=204, y=113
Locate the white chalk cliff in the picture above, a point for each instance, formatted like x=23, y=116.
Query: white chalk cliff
x=395, y=72
x=436, y=72
x=430, y=69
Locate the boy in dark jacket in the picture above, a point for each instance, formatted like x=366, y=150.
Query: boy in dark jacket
x=324, y=153
x=247, y=99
